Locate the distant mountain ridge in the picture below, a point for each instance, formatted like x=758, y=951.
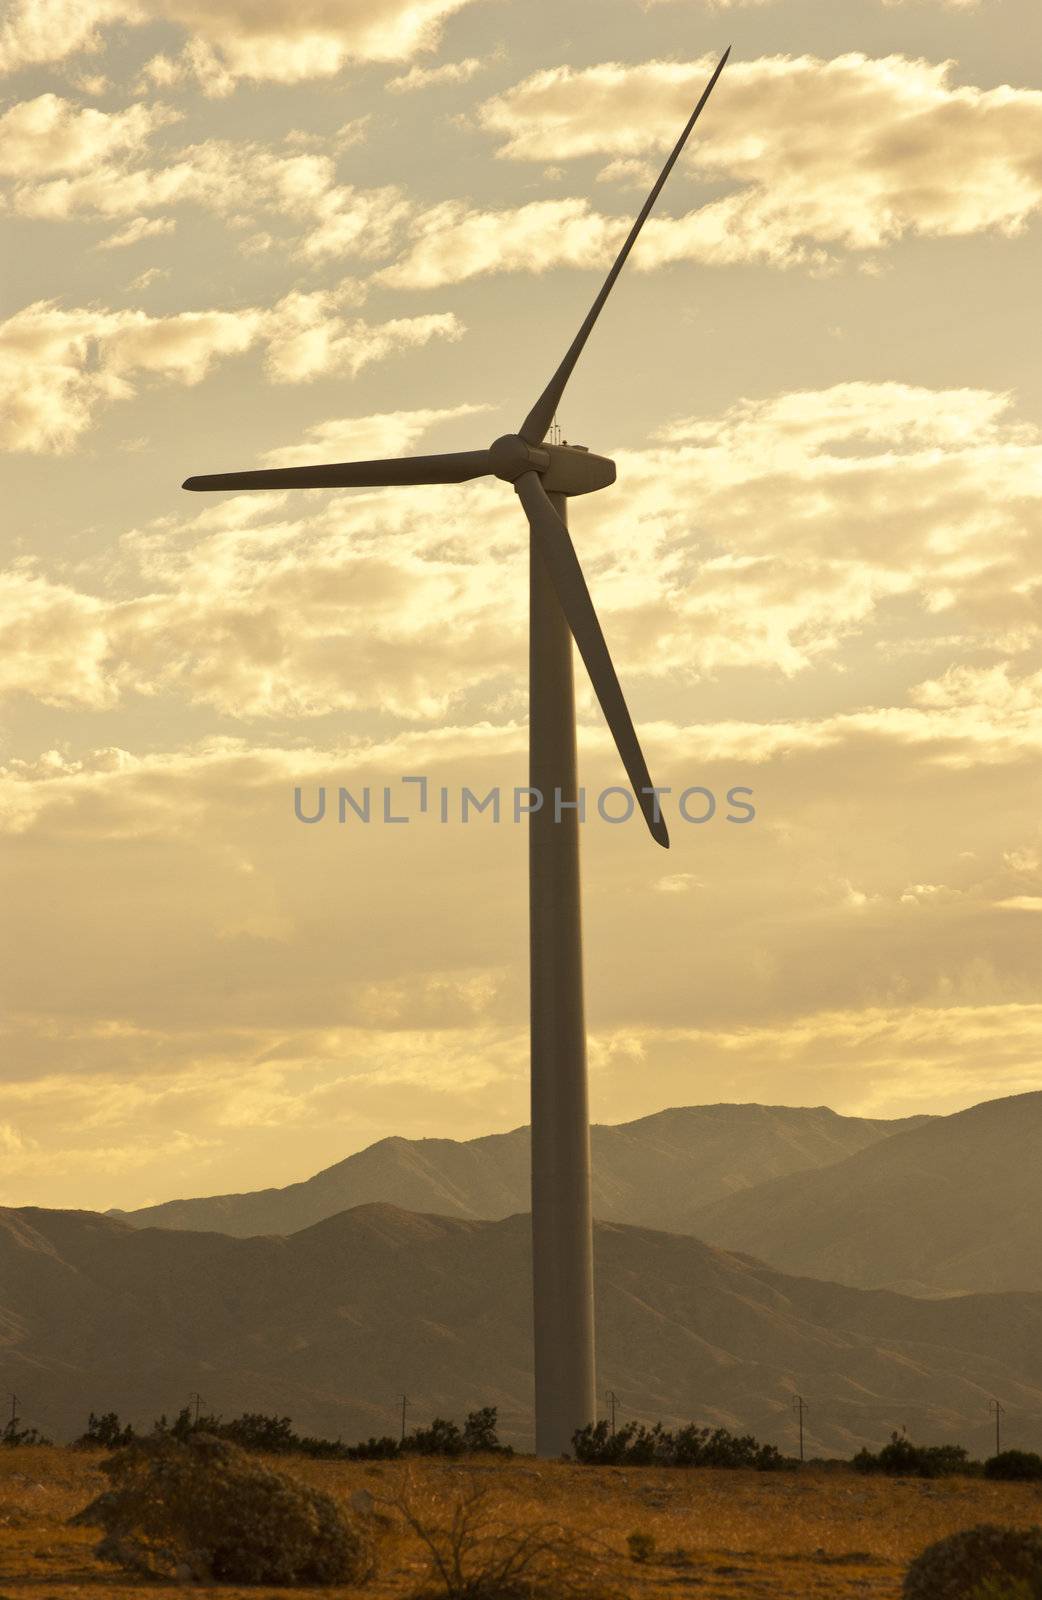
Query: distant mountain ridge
x=332, y=1324
x=951, y=1206
x=658, y=1171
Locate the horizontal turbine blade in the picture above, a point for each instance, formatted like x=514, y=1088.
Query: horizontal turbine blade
x=570, y=586
x=355, y=474
x=536, y=425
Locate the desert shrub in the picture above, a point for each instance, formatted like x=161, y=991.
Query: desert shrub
x=202, y=1508
x=444, y=1438
x=636, y=1445
x=14, y=1436
x=253, y=1431
x=473, y=1554
x=105, y=1433
x=385, y=1449
x=479, y=1433
x=1004, y=1589
x=903, y=1459
x=640, y=1545
x=1014, y=1466
x=956, y=1567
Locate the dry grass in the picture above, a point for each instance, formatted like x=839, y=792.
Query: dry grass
x=718, y=1535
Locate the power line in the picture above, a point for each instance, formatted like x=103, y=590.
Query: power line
x=799, y=1405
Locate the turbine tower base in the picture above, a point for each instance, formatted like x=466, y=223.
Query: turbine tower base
x=562, y=1222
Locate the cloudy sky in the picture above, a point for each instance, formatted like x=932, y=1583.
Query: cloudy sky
x=242, y=234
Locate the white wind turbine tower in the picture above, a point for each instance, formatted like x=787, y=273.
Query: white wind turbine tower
x=544, y=476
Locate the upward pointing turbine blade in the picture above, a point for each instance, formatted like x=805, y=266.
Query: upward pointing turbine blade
x=455, y=468
x=566, y=574
x=536, y=425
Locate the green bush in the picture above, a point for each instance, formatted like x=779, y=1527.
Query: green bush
x=957, y=1567
x=202, y=1509
x=1014, y=1466
x=14, y=1436
x=903, y=1459
x=274, y=1435
x=105, y=1433
x=637, y=1445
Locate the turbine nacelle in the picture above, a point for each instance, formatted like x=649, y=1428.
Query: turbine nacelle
x=564, y=468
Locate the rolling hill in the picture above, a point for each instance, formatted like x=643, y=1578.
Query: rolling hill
x=949, y=1207
x=332, y=1324
x=657, y=1172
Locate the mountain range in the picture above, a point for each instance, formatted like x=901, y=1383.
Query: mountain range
x=332, y=1324
x=925, y=1206
x=657, y=1172
x=950, y=1206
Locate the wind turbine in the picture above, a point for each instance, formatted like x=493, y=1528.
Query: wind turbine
x=544, y=477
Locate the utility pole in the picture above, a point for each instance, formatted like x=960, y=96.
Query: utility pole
x=14, y=1411
x=1000, y=1411
x=196, y=1400
x=799, y=1405
x=405, y=1401
x=610, y=1397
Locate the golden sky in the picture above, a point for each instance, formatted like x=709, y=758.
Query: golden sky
x=242, y=235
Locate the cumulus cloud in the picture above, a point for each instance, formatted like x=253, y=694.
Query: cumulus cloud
x=59, y=366
x=385, y=433
x=66, y=162
x=817, y=513
x=453, y=241
x=233, y=39
x=448, y=72
x=849, y=154
x=136, y=230
x=50, y=134
x=51, y=30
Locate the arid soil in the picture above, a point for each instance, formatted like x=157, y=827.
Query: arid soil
x=717, y=1534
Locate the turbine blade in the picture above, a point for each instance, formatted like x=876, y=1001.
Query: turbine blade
x=355, y=474
x=570, y=586
x=534, y=428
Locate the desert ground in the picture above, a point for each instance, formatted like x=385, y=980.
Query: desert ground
x=817, y=1531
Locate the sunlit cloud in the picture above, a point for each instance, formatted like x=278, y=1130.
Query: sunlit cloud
x=232, y=40
x=922, y=155
x=59, y=367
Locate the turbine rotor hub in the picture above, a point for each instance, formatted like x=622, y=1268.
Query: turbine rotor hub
x=512, y=457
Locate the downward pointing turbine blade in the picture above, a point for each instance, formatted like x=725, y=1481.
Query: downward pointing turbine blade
x=535, y=426
x=355, y=474
x=569, y=584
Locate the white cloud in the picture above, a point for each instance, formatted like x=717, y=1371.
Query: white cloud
x=140, y=228
x=49, y=135
x=51, y=30
x=58, y=366
x=452, y=242
x=816, y=511
x=847, y=154
x=66, y=162
x=386, y=433
x=448, y=72
x=234, y=39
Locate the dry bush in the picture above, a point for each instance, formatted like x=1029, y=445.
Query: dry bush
x=968, y=1562
x=473, y=1553
x=203, y=1509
